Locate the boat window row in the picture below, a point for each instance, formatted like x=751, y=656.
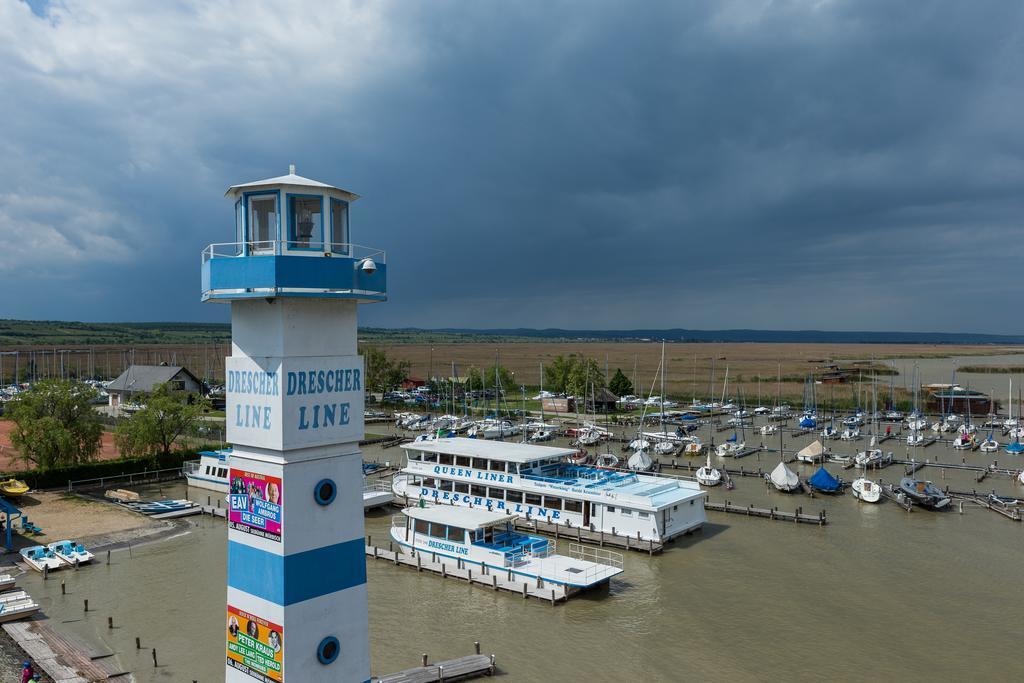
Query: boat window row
x=215, y=471
x=441, y=531
x=497, y=493
x=465, y=461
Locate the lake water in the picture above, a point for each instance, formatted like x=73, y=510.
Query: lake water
x=877, y=593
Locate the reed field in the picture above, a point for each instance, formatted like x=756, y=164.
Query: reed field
x=688, y=372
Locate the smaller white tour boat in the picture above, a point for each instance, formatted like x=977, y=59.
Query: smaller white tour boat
x=70, y=552
x=457, y=536
x=210, y=471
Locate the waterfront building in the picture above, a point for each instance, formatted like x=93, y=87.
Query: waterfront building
x=296, y=583
x=139, y=380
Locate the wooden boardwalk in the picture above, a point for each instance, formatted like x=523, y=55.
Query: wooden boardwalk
x=473, y=573
x=63, y=659
x=798, y=516
x=463, y=668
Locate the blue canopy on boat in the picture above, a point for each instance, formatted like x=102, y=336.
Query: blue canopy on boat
x=1015, y=447
x=824, y=481
x=808, y=423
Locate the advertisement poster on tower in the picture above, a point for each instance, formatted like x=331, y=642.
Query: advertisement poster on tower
x=256, y=504
x=255, y=646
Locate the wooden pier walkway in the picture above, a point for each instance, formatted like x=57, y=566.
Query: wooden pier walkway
x=473, y=573
x=462, y=668
x=798, y=516
x=62, y=658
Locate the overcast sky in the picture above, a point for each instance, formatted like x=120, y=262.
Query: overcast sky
x=785, y=165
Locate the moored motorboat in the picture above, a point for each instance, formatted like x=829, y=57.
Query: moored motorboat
x=768, y=429
x=39, y=557
x=70, y=552
x=924, y=493
x=989, y=445
x=607, y=461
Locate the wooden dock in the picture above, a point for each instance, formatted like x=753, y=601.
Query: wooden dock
x=473, y=573
x=798, y=516
x=462, y=668
x=62, y=658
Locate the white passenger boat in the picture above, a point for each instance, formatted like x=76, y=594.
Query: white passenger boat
x=16, y=605
x=455, y=535
x=210, y=471
x=40, y=557
x=537, y=482
x=70, y=552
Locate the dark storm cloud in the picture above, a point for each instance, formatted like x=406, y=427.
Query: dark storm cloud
x=850, y=165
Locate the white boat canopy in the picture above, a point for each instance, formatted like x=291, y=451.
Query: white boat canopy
x=784, y=478
x=458, y=516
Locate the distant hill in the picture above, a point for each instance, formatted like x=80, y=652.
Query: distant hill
x=55, y=332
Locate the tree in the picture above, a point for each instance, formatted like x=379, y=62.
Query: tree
x=586, y=376
x=381, y=373
x=620, y=384
x=153, y=429
x=557, y=372
x=55, y=425
x=484, y=378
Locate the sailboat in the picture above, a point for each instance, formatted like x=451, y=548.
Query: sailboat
x=989, y=445
x=708, y=475
x=873, y=454
x=822, y=481
x=783, y=478
x=865, y=489
x=640, y=461
x=665, y=446
x=810, y=416
x=729, y=447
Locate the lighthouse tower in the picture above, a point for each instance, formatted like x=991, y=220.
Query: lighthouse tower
x=296, y=576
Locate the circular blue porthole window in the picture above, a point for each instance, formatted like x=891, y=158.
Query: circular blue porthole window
x=328, y=650
x=325, y=492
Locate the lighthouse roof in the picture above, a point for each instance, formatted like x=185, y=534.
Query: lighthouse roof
x=290, y=179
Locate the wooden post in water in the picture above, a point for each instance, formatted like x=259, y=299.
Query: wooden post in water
x=110, y=622
x=154, y=658
x=476, y=646
x=87, y=605
x=46, y=572
x=138, y=643
x=63, y=588
x=108, y=557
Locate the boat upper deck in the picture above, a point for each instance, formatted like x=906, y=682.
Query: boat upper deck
x=657, y=491
x=492, y=450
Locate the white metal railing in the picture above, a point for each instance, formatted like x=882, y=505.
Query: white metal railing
x=190, y=467
x=129, y=478
x=377, y=485
x=278, y=247
x=595, y=555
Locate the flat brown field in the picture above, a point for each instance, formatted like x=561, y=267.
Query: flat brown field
x=745, y=361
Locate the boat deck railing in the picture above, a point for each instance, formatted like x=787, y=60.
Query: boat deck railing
x=377, y=486
x=596, y=555
x=190, y=467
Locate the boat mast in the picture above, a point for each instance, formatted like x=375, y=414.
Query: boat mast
x=663, y=425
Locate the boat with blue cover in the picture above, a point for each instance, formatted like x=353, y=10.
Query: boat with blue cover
x=460, y=536
x=822, y=481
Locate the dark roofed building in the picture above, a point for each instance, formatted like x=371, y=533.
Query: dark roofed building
x=142, y=379
x=601, y=401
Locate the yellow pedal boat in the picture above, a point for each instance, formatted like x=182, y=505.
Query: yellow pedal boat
x=12, y=488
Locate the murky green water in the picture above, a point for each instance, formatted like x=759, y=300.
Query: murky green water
x=877, y=593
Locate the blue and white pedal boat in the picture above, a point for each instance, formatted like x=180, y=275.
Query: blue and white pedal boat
x=39, y=557
x=470, y=537
x=70, y=552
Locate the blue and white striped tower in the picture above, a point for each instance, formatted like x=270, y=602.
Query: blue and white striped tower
x=296, y=585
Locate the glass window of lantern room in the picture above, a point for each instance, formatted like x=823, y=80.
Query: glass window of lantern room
x=339, y=226
x=305, y=224
x=239, y=227
x=262, y=222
